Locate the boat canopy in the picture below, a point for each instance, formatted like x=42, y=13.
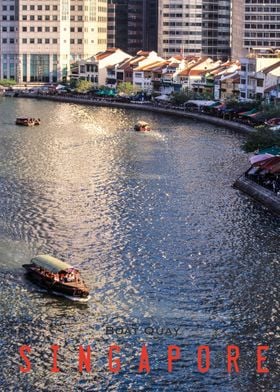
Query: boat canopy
x=50, y=263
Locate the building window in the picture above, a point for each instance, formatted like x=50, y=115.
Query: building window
x=47, y=41
x=72, y=41
x=54, y=7
x=32, y=17
x=47, y=29
x=79, y=41
x=40, y=41
x=39, y=8
x=32, y=7
x=12, y=41
x=4, y=40
x=54, y=41
x=32, y=29
x=24, y=8
x=32, y=41
x=54, y=29
x=47, y=7
x=39, y=29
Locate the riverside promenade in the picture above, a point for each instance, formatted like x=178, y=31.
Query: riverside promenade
x=242, y=128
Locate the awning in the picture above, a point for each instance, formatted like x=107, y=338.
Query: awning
x=162, y=97
x=268, y=163
x=248, y=113
x=50, y=263
x=273, y=150
x=275, y=168
x=260, y=158
x=204, y=103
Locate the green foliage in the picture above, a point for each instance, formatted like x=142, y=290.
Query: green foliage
x=179, y=97
x=182, y=96
x=261, y=138
x=271, y=111
x=7, y=82
x=126, y=88
x=243, y=106
x=83, y=86
x=73, y=83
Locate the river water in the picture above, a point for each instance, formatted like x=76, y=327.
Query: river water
x=162, y=239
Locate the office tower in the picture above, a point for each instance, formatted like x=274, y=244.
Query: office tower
x=194, y=27
x=132, y=25
x=255, y=26
x=38, y=41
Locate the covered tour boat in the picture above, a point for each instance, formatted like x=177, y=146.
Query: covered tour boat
x=27, y=121
x=57, y=277
x=142, y=126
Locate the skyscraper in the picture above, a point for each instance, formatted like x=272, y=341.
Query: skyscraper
x=194, y=27
x=256, y=25
x=132, y=25
x=38, y=41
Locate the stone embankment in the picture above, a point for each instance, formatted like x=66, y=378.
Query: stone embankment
x=259, y=193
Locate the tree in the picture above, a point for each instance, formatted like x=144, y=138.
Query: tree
x=7, y=82
x=83, y=86
x=262, y=137
x=179, y=97
x=126, y=88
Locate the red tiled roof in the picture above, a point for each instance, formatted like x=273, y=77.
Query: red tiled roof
x=106, y=53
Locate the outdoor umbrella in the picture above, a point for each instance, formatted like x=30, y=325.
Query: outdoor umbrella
x=260, y=158
x=265, y=162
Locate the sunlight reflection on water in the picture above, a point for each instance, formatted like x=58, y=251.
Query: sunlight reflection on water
x=160, y=235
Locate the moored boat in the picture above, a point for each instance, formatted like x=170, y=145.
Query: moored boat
x=142, y=126
x=57, y=277
x=27, y=121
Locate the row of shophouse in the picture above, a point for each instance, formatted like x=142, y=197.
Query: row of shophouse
x=254, y=77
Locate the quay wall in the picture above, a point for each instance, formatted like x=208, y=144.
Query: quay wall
x=259, y=193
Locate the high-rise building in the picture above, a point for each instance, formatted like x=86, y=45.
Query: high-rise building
x=194, y=27
x=132, y=25
x=255, y=26
x=38, y=41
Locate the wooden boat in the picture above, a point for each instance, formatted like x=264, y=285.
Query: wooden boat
x=57, y=277
x=142, y=126
x=27, y=121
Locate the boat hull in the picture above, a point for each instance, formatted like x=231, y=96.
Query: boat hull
x=72, y=290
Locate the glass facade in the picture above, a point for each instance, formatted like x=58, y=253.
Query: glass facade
x=39, y=68
x=132, y=25
x=194, y=27
x=24, y=68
